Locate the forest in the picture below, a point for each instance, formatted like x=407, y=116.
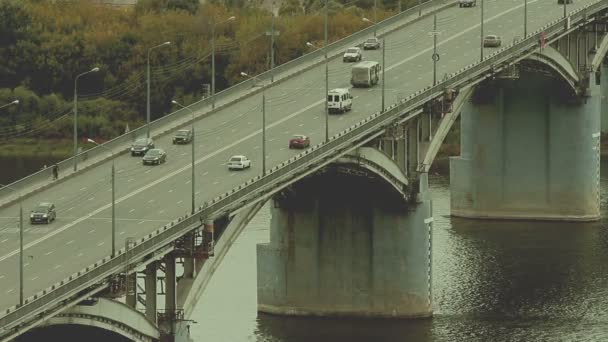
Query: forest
x=45, y=44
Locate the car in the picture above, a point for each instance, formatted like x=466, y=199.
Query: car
x=299, y=141
x=183, y=136
x=371, y=43
x=44, y=212
x=339, y=100
x=352, y=54
x=491, y=40
x=467, y=3
x=141, y=146
x=561, y=2
x=239, y=162
x=154, y=156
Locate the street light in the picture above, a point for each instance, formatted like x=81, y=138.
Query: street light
x=213, y=25
x=263, y=122
x=10, y=103
x=481, y=32
x=113, y=198
x=148, y=87
x=326, y=88
x=383, y=59
x=76, y=113
x=525, y=18
x=192, y=152
x=20, y=242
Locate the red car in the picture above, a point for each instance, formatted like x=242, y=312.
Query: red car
x=299, y=141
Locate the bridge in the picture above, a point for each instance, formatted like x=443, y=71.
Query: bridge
x=351, y=230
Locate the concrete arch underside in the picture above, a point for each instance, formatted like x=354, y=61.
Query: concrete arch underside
x=553, y=61
x=109, y=315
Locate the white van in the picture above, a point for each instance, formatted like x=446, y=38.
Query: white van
x=365, y=74
x=339, y=100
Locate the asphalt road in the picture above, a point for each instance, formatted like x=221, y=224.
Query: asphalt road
x=150, y=196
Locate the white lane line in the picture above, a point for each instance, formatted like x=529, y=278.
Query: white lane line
x=91, y=231
x=151, y=201
x=121, y=233
x=141, y=222
x=161, y=211
x=316, y=117
x=216, y=182
x=198, y=192
x=26, y=264
x=271, y=139
x=36, y=277
x=70, y=209
x=61, y=199
x=130, y=180
x=80, y=254
x=300, y=125
x=256, y=147
x=69, y=242
x=187, y=182
x=3, y=241
x=57, y=267
x=170, y=191
x=100, y=244
x=48, y=253
x=179, y=202
x=82, y=189
x=132, y=210
x=148, y=171
x=1, y=276
x=205, y=173
x=92, y=198
x=9, y=291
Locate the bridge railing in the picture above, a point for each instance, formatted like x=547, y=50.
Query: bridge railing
x=293, y=167
x=95, y=155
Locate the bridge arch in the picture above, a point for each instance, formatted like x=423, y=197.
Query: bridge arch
x=558, y=64
x=109, y=315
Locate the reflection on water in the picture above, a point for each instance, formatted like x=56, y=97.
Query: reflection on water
x=493, y=281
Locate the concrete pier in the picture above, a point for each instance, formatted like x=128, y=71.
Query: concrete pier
x=345, y=245
x=529, y=150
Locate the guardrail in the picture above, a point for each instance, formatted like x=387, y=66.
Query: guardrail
x=243, y=89
x=243, y=194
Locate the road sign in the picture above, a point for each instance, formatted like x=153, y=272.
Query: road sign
x=435, y=57
x=434, y=33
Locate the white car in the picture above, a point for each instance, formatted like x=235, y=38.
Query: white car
x=352, y=54
x=239, y=162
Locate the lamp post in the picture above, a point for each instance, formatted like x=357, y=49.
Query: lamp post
x=272, y=33
x=263, y=123
x=213, y=25
x=76, y=113
x=148, y=87
x=383, y=59
x=481, y=32
x=20, y=242
x=10, y=103
x=525, y=18
x=113, y=198
x=326, y=89
x=192, y=152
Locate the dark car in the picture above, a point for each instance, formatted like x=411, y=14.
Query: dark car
x=299, y=141
x=371, y=43
x=183, y=136
x=154, y=156
x=141, y=146
x=491, y=40
x=43, y=213
x=561, y=2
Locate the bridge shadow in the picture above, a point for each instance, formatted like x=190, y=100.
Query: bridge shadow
x=306, y=329
x=70, y=333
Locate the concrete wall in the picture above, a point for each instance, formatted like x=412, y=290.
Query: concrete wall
x=529, y=149
x=345, y=245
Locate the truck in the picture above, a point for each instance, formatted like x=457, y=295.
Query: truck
x=365, y=74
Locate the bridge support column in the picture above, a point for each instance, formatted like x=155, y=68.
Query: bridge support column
x=131, y=297
x=151, y=291
x=529, y=151
x=170, y=284
x=189, y=270
x=604, y=96
x=345, y=246
x=401, y=153
x=413, y=155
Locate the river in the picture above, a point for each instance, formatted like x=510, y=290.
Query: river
x=492, y=281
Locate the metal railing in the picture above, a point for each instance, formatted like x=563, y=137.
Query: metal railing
x=243, y=194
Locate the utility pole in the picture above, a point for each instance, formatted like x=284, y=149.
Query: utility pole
x=326, y=75
x=383, y=68
x=272, y=33
x=435, y=54
x=481, y=37
x=525, y=18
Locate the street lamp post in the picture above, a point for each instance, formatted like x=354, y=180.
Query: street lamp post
x=192, y=152
x=326, y=88
x=10, y=103
x=383, y=59
x=481, y=36
x=525, y=18
x=272, y=33
x=76, y=114
x=435, y=54
x=213, y=24
x=148, y=87
x=263, y=122
x=20, y=243
x=113, y=197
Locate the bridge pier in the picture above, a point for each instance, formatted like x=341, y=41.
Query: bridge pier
x=344, y=245
x=131, y=297
x=170, y=283
x=529, y=150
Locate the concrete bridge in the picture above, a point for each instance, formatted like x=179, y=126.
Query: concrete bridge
x=351, y=230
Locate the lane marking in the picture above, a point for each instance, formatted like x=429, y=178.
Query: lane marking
x=69, y=242
x=91, y=231
x=36, y=277
x=141, y=222
x=239, y=141
x=57, y=267
x=80, y=254
x=48, y=253
x=132, y=210
x=179, y=202
x=9, y=291
x=83, y=188
x=101, y=244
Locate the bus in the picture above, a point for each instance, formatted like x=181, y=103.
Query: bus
x=365, y=74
